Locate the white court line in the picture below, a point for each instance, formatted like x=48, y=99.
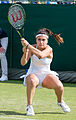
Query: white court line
x=17, y=118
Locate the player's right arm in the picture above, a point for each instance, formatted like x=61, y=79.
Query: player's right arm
x=25, y=57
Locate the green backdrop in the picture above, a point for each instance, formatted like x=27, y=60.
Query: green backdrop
x=58, y=18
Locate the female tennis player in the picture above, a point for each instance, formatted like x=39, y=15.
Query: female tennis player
x=39, y=73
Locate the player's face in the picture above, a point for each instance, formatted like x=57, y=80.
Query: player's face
x=41, y=42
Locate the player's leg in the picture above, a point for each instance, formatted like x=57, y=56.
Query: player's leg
x=32, y=82
x=52, y=82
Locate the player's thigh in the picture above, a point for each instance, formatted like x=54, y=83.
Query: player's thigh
x=32, y=79
x=51, y=82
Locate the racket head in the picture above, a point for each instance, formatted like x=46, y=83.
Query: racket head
x=16, y=16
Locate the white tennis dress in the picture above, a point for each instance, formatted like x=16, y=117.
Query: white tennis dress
x=39, y=67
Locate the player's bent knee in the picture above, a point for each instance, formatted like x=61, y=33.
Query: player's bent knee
x=32, y=81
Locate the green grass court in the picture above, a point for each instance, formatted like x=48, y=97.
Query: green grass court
x=13, y=102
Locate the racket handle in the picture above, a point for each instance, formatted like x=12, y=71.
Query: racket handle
x=19, y=34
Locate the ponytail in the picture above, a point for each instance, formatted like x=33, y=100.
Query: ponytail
x=58, y=38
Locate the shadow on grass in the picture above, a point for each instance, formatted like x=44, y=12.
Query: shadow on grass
x=10, y=113
x=23, y=114
x=49, y=113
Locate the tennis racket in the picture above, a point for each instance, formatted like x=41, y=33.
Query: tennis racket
x=16, y=17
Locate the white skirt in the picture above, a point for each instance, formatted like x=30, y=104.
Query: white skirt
x=40, y=75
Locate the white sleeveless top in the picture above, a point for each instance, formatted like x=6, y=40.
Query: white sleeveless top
x=40, y=65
